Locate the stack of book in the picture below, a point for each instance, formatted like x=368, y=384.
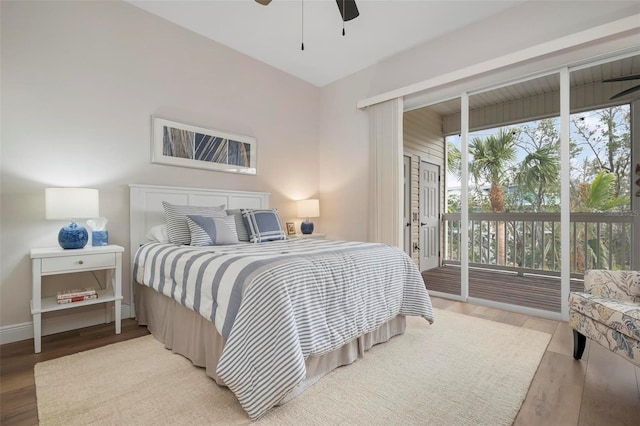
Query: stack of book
x=76, y=295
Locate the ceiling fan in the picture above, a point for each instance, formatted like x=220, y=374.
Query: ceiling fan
x=627, y=91
x=348, y=8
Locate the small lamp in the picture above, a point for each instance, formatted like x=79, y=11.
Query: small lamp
x=71, y=203
x=308, y=208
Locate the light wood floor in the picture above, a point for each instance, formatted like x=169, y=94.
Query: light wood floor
x=601, y=389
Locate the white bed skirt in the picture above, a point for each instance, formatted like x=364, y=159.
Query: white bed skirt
x=189, y=334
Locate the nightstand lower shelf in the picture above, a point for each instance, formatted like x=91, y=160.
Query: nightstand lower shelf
x=50, y=304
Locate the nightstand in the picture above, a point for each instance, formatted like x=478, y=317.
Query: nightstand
x=55, y=261
x=315, y=235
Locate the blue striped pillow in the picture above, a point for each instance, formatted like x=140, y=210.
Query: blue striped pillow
x=176, y=219
x=263, y=225
x=212, y=231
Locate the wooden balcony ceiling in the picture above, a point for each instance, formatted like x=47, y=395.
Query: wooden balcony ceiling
x=532, y=291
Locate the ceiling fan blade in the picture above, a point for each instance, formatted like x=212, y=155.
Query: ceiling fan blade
x=625, y=78
x=348, y=9
x=263, y=2
x=625, y=92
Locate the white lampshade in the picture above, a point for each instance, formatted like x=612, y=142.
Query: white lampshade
x=309, y=208
x=71, y=203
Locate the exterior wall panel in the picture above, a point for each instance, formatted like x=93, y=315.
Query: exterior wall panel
x=423, y=140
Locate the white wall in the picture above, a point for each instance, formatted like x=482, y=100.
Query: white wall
x=80, y=81
x=344, y=160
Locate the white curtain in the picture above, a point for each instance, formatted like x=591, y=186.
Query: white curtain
x=385, y=181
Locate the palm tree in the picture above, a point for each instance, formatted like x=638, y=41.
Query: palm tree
x=598, y=196
x=491, y=157
x=454, y=160
x=539, y=174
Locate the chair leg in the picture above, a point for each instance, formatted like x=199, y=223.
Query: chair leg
x=579, y=342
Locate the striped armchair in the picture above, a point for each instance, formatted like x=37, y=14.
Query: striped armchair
x=608, y=312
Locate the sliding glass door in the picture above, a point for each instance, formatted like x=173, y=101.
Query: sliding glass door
x=514, y=239
x=604, y=210
x=542, y=184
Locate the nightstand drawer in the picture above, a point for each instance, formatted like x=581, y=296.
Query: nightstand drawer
x=78, y=263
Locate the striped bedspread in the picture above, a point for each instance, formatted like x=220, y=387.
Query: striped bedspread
x=277, y=303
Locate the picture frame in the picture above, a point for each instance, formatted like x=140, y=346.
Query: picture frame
x=291, y=228
x=186, y=145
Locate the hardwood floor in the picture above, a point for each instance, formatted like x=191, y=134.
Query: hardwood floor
x=601, y=389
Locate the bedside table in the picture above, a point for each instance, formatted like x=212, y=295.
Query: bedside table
x=55, y=261
x=315, y=235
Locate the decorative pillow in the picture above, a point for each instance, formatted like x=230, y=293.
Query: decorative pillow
x=263, y=225
x=158, y=233
x=243, y=235
x=176, y=218
x=211, y=231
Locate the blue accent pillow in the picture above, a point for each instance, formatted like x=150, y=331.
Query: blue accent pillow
x=211, y=231
x=263, y=225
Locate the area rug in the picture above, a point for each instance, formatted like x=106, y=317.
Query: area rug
x=461, y=370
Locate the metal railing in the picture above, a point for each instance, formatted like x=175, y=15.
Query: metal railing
x=530, y=242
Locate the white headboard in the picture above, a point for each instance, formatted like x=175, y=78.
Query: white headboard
x=146, y=204
x=146, y=210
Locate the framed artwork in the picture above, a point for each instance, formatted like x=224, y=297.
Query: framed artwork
x=291, y=228
x=178, y=144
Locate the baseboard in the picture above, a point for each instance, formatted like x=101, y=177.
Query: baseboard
x=24, y=331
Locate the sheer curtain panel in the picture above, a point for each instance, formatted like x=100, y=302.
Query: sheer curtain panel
x=385, y=187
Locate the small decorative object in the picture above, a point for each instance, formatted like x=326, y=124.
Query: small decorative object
x=71, y=203
x=308, y=208
x=291, y=228
x=178, y=144
x=99, y=235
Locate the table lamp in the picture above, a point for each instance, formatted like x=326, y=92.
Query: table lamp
x=308, y=208
x=72, y=204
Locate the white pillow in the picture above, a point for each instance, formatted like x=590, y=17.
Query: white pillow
x=158, y=233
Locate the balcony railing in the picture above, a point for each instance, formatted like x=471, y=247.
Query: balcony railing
x=530, y=242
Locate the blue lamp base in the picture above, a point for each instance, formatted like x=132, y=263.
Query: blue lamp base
x=306, y=227
x=73, y=236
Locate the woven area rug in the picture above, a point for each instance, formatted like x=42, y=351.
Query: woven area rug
x=461, y=370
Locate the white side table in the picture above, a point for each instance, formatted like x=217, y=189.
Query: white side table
x=56, y=260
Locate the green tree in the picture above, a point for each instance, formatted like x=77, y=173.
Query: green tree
x=602, y=196
x=538, y=176
x=600, y=182
x=597, y=196
x=609, y=145
x=491, y=158
x=454, y=160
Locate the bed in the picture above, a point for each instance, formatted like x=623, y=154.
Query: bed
x=267, y=319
